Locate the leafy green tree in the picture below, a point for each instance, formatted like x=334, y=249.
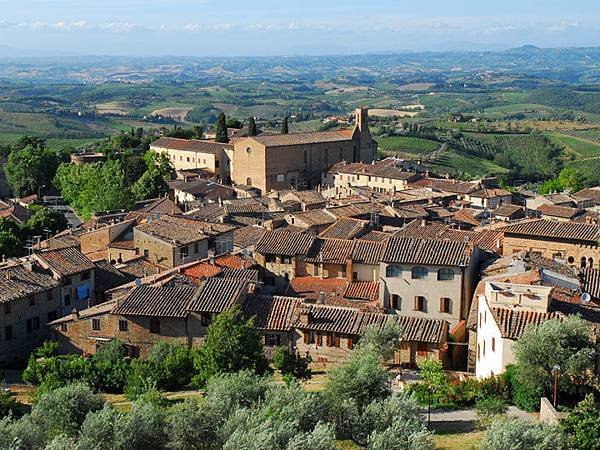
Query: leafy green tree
x=94, y=187
x=134, y=166
x=230, y=345
x=521, y=435
x=30, y=168
x=285, y=127
x=228, y=391
x=566, y=344
x=252, y=129
x=385, y=341
x=99, y=428
x=292, y=363
x=221, y=131
x=45, y=219
x=582, y=425
x=10, y=245
x=142, y=429
x=153, y=183
x=322, y=437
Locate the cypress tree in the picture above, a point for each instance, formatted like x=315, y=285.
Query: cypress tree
x=252, y=130
x=221, y=129
x=285, y=126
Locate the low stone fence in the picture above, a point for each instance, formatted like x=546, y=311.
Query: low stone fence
x=548, y=414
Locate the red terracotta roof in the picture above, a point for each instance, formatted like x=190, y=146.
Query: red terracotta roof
x=362, y=290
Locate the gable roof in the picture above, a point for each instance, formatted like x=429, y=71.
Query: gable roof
x=439, y=252
x=512, y=323
x=247, y=236
x=550, y=229
x=563, y=212
x=367, y=252
x=217, y=294
x=280, y=140
x=178, y=230
x=287, y=243
x=17, y=281
x=272, y=313
x=333, y=251
x=65, y=261
x=157, y=301
x=345, y=228
x=190, y=145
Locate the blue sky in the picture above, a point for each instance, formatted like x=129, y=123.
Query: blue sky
x=292, y=27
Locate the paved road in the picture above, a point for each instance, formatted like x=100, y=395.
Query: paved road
x=463, y=420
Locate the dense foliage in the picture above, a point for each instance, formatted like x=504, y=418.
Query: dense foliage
x=582, y=426
x=292, y=364
x=521, y=435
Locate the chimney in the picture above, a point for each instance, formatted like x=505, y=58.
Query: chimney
x=423, y=222
x=305, y=317
x=321, y=298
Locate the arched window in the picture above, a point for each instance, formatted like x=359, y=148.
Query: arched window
x=591, y=263
x=419, y=272
x=249, y=181
x=393, y=271
x=583, y=262
x=571, y=260
x=154, y=325
x=445, y=274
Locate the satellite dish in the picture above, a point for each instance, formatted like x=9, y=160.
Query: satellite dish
x=138, y=282
x=585, y=297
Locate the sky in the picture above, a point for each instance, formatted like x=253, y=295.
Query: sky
x=291, y=27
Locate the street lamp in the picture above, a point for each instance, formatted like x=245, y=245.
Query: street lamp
x=40, y=190
x=555, y=371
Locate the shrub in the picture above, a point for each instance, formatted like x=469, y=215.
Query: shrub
x=522, y=395
x=8, y=404
x=521, y=435
x=582, y=425
x=294, y=364
x=63, y=410
x=47, y=349
x=489, y=409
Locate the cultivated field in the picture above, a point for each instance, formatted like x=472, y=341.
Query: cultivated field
x=177, y=112
x=391, y=113
x=394, y=145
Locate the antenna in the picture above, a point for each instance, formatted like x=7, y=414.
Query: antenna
x=585, y=298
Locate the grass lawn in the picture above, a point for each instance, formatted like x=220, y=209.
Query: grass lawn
x=459, y=441
x=582, y=148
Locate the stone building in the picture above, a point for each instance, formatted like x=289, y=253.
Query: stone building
x=329, y=333
x=574, y=243
x=298, y=160
x=172, y=241
x=30, y=298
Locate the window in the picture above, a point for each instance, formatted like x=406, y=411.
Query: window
x=591, y=263
x=418, y=273
x=419, y=303
x=421, y=349
x=52, y=315
x=445, y=274
x=33, y=324
x=286, y=260
x=188, y=159
x=154, y=325
x=478, y=352
x=67, y=299
x=123, y=325
x=280, y=178
x=336, y=340
x=309, y=337
x=493, y=344
x=32, y=301
x=354, y=276
x=146, y=253
x=444, y=305
x=217, y=164
x=272, y=339
x=583, y=262
x=205, y=319
x=483, y=351
x=395, y=301
x=248, y=150
x=350, y=343
x=85, y=275
x=96, y=324
x=393, y=271
x=63, y=327
x=8, y=332
x=183, y=252
x=270, y=258
x=7, y=308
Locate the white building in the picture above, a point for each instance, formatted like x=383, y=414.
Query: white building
x=504, y=310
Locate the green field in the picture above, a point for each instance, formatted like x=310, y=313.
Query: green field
x=465, y=167
x=393, y=145
x=589, y=167
x=580, y=147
